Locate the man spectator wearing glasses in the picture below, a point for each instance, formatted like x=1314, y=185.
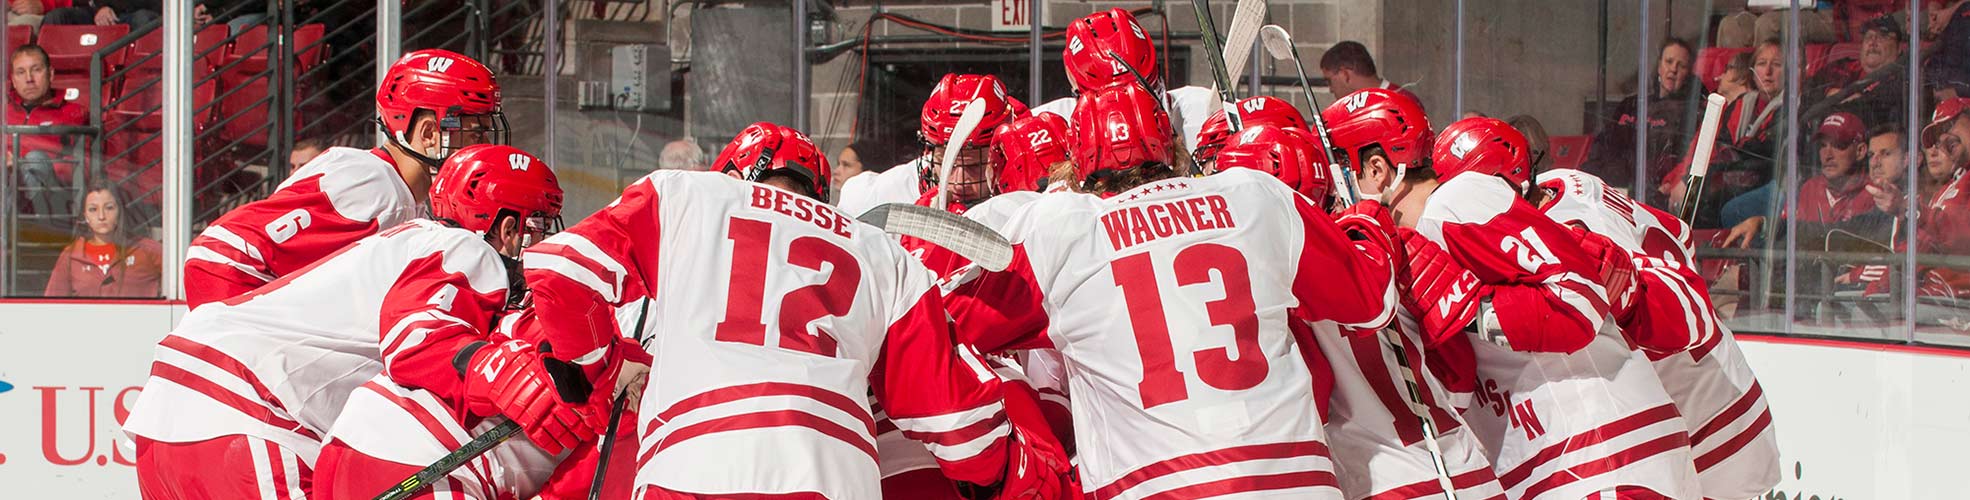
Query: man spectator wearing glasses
x=1838, y=193
x=1882, y=90
x=35, y=103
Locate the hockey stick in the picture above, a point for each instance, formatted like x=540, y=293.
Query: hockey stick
x=974, y=112
x=1706, y=140
x=451, y=461
x=1223, y=79
x=965, y=237
x=1415, y=400
x=1279, y=45
x=615, y=415
x=1245, y=22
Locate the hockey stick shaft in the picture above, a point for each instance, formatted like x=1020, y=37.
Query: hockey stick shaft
x=1706, y=141
x=1214, y=54
x=974, y=112
x=451, y=461
x=1345, y=188
x=615, y=416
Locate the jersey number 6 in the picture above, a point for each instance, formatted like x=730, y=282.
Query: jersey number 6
x=1161, y=381
x=751, y=242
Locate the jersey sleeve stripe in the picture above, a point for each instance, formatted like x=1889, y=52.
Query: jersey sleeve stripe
x=763, y=389
x=203, y=253
x=951, y=422
x=610, y=290
x=1388, y=311
x=960, y=435
x=252, y=409
x=418, y=324
x=764, y=419
x=1607, y=464
x=234, y=241
x=1730, y=414
x=578, y=248
x=959, y=451
x=1591, y=437
x=1430, y=487
x=1210, y=459
x=1246, y=484
x=1736, y=443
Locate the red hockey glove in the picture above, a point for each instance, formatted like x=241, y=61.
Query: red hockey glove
x=1443, y=296
x=508, y=379
x=1617, y=269
x=1036, y=465
x=1373, y=210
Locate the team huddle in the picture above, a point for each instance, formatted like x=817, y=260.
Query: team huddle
x=1198, y=305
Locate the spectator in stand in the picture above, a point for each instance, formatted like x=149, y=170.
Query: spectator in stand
x=1881, y=93
x=44, y=180
x=1735, y=81
x=848, y=163
x=1743, y=162
x=1837, y=193
x=110, y=259
x=1671, y=99
x=1348, y=68
x=1949, y=59
x=105, y=13
x=305, y=150
x=682, y=154
x=25, y=12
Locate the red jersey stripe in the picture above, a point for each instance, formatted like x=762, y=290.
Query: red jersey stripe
x=250, y=408
x=1731, y=414
x=1431, y=487
x=1609, y=463
x=1243, y=484
x=1592, y=437
x=960, y=435
x=763, y=389
x=1208, y=459
x=763, y=419
x=224, y=362
x=1736, y=443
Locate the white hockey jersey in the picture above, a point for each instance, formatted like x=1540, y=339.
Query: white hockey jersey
x=777, y=316
x=1557, y=425
x=339, y=197
x=1374, y=426
x=1730, y=427
x=279, y=363
x=1170, y=304
x=900, y=184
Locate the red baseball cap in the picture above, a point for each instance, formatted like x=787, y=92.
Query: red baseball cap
x=1841, y=128
x=1945, y=117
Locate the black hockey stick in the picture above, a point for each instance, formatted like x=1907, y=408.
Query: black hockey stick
x=1279, y=44
x=615, y=417
x=1214, y=54
x=451, y=461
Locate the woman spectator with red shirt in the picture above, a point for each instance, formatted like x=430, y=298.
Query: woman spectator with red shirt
x=109, y=259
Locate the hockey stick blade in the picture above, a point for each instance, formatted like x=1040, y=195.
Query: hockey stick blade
x=1706, y=142
x=974, y=112
x=1245, y=22
x=1279, y=44
x=965, y=237
x=451, y=461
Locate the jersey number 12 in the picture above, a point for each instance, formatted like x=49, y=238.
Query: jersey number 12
x=751, y=242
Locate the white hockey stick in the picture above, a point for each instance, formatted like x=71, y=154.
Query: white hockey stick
x=1706, y=141
x=1279, y=44
x=1245, y=22
x=974, y=112
x=965, y=237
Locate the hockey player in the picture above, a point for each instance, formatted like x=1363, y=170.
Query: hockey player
x=970, y=177
x=1387, y=383
x=1102, y=48
x=1132, y=284
x=733, y=410
x=1253, y=111
x=1565, y=408
x=431, y=103
x=444, y=380
x=1674, y=324
x=243, y=390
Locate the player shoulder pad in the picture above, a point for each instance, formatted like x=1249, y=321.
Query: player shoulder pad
x=1465, y=199
x=463, y=252
x=362, y=186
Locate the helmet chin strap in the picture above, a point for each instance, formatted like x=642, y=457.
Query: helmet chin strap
x=1387, y=196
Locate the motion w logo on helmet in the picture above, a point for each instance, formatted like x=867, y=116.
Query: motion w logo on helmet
x=519, y=161
x=439, y=64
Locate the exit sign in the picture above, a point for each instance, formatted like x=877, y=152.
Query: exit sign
x=1011, y=15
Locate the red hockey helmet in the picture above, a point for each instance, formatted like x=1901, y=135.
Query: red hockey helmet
x=1026, y=148
x=1487, y=146
x=765, y=148
x=1293, y=155
x=948, y=100
x=1119, y=128
x=449, y=85
x=1380, y=117
x=1253, y=111
x=485, y=182
x=1090, y=40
